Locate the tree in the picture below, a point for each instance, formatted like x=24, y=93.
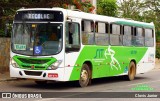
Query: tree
x=154, y=5
x=83, y=5
x=107, y=7
x=131, y=9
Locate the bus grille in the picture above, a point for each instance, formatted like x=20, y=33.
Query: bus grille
x=34, y=61
x=41, y=67
x=33, y=73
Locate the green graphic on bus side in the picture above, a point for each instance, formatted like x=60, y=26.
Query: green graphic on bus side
x=99, y=53
x=110, y=53
x=107, y=61
x=37, y=63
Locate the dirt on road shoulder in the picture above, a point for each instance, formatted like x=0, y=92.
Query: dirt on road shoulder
x=157, y=64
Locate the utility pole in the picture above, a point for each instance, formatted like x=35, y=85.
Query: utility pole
x=94, y=3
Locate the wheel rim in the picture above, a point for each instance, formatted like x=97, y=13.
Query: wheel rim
x=84, y=76
x=132, y=72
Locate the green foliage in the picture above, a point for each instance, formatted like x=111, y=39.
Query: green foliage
x=158, y=36
x=158, y=52
x=107, y=7
x=131, y=9
x=2, y=33
x=84, y=5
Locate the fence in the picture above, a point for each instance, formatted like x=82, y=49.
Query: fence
x=4, y=54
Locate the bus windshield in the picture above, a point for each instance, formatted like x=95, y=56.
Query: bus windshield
x=37, y=38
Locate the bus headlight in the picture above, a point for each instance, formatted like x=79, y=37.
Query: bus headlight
x=55, y=65
x=14, y=64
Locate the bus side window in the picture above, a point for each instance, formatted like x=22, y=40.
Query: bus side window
x=149, y=38
x=87, y=32
x=101, y=36
x=115, y=37
x=139, y=37
x=127, y=37
x=72, y=39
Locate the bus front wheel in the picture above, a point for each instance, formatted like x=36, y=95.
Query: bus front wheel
x=131, y=71
x=85, y=76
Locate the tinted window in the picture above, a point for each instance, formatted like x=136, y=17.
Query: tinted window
x=101, y=36
x=37, y=39
x=72, y=37
x=127, y=37
x=87, y=32
x=115, y=37
x=149, y=41
x=138, y=39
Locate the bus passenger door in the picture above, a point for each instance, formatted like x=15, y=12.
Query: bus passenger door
x=72, y=48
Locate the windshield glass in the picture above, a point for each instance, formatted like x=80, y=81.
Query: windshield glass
x=37, y=39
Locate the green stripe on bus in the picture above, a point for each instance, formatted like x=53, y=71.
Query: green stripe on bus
x=134, y=24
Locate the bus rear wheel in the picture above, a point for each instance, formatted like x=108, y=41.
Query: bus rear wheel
x=131, y=71
x=85, y=76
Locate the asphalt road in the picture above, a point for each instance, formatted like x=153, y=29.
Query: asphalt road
x=150, y=81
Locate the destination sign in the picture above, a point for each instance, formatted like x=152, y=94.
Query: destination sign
x=40, y=15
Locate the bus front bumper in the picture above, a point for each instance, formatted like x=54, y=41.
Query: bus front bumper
x=55, y=75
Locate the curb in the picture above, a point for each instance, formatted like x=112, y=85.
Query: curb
x=11, y=79
x=8, y=80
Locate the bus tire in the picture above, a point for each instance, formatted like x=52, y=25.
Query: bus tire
x=40, y=82
x=85, y=76
x=131, y=71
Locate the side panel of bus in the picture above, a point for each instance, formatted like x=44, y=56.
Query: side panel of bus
x=105, y=63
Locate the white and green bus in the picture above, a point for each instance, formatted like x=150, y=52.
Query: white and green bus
x=55, y=44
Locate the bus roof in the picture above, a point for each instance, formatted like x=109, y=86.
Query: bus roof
x=95, y=17
x=108, y=19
